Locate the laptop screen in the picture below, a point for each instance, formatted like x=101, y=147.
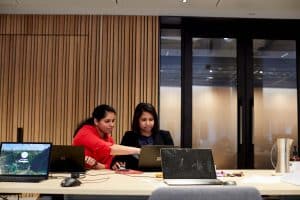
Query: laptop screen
x=150, y=159
x=67, y=159
x=188, y=164
x=24, y=159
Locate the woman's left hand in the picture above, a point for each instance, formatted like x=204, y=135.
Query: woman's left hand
x=90, y=161
x=118, y=165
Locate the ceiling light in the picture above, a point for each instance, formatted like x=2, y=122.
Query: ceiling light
x=228, y=39
x=284, y=55
x=261, y=72
x=170, y=38
x=184, y=1
x=210, y=71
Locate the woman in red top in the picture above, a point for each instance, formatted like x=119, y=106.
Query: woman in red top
x=94, y=134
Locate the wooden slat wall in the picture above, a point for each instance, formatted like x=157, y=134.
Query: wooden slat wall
x=55, y=69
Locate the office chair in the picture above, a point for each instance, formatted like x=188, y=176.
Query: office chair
x=206, y=193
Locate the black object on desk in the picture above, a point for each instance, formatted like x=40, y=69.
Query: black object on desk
x=65, y=158
x=70, y=182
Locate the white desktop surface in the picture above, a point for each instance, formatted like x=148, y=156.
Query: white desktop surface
x=265, y=181
x=107, y=182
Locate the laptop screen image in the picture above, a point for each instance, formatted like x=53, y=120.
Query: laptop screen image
x=183, y=164
x=150, y=159
x=67, y=159
x=24, y=162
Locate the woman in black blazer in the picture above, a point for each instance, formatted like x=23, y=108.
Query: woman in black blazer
x=145, y=131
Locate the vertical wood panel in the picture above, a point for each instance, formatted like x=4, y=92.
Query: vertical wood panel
x=55, y=69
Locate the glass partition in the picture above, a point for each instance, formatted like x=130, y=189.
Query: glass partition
x=215, y=98
x=275, y=96
x=170, y=83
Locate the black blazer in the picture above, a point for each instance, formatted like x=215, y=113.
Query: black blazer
x=131, y=138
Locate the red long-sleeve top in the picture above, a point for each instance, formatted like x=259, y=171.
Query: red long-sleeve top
x=94, y=146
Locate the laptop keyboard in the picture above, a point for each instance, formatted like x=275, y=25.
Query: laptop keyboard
x=193, y=182
x=20, y=179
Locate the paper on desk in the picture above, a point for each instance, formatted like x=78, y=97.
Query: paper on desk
x=261, y=179
x=292, y=178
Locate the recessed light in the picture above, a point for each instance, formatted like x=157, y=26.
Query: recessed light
x=184, y=1
x=228, y=39
x=284, y=55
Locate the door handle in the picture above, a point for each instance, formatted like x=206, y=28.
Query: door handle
x=241, y=124
x=252, y=125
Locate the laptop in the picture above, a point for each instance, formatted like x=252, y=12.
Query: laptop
x=67, y=159
x=150, y=159
x=189, y=167
x=24, y=162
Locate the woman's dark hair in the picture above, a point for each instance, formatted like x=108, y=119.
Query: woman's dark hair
x=139, y=109
x=98, y=114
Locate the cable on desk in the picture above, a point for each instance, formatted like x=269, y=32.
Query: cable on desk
x=98, y=180
x=142, y=176
x=55, y=177
x=81, y=176
x=108, y=173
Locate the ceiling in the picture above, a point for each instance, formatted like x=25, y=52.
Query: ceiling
x=285, y=9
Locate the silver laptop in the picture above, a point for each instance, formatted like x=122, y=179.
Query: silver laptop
x=185, y=166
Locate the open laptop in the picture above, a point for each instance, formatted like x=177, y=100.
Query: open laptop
x=67, y=159
x=188, y=167
x=24, y=162
x=150, y=159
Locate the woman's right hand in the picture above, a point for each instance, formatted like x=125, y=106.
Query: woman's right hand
x=138, y=150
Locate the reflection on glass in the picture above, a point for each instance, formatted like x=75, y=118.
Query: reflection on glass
x=275, y=96
x=215, y=99
x=170, y=83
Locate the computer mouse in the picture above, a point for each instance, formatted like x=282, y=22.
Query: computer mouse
x=229, y=183
x=70, y=182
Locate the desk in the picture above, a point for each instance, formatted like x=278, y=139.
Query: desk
x=265, y=182
x=108, y=183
